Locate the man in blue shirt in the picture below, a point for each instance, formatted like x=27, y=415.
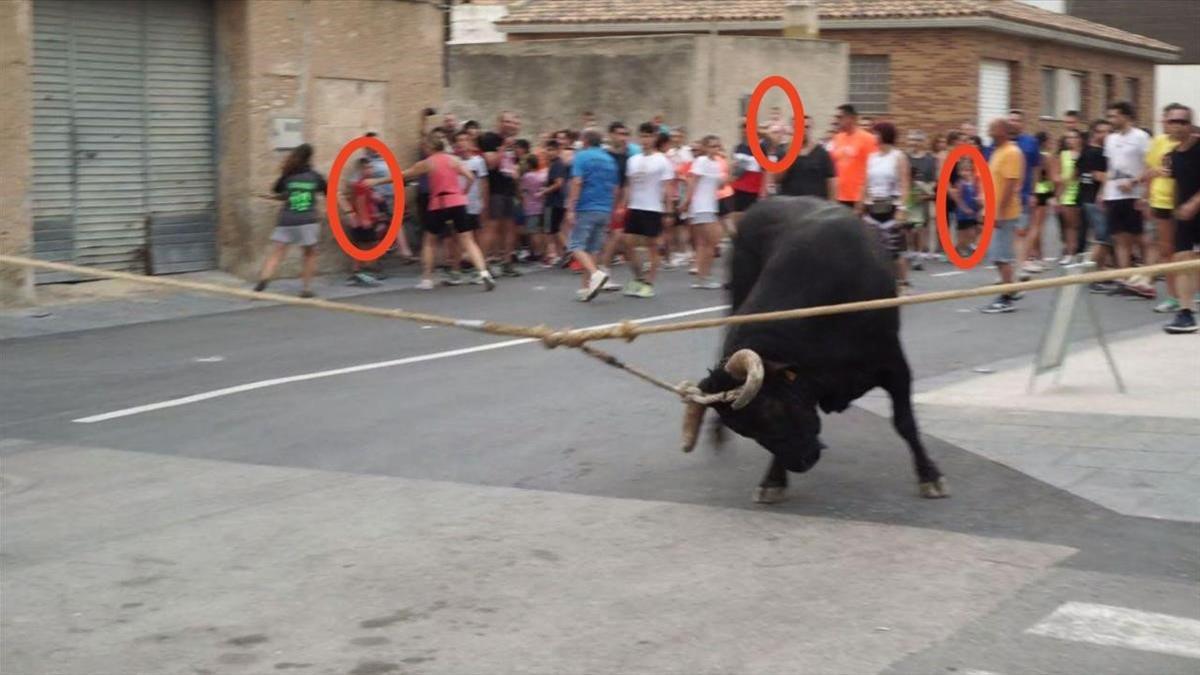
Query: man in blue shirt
x=1030, y=150
x=594, y=187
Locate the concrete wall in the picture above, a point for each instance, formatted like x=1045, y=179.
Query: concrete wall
x=292, y=60
x=475, y=24
x=696, y=80
x=16, y=129
x=732, y=67
x=550, y=82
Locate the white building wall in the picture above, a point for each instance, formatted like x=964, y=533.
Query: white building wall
x=475, y=24
x=1176, y=84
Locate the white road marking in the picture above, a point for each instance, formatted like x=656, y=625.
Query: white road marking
x=947, y=274
x=278, y=381
x=209, y=359
x=1122, y=627
x=977, y=672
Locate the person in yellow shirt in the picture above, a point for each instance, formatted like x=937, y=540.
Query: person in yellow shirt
x=1007, y=165
x=1162, y=206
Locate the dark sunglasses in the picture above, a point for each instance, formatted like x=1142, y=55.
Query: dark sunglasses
x=1176, y=121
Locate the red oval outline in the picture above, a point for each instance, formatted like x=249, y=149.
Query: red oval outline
x=989, y=206
x=768, y=83
x=331, y=201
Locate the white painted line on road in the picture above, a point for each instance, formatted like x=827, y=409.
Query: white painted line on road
x=278, y=381
x=977, y=672
x=1122, y=627
x=947, y=274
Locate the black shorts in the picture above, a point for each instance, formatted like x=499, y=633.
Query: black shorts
x=1163, y=214
x=557, y=213
x=644, y=223
x=363, y=236
x=742, y=201
x=1124, y=217
x=967, y=223
x=422, y=207
x=454, y=220
x=502, y=207
x=1187, y=235
x=1043, y=198
x=724, y=207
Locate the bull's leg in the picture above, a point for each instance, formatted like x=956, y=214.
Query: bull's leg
x=899, y=386
x=773, y=488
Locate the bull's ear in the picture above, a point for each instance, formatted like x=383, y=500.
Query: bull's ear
x=783, y=370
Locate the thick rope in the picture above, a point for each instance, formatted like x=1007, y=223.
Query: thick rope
x=626, y=330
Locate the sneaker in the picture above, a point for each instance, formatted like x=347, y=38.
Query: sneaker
x=707, y=285
x=1167, y=306
x=595, y=283
x=1184, y=322
x=645, y=290
x=631, y=289
x=918, y=265
x=307, y=294
x=582, y=295
x=376, y=274
x=1033, y=267
x=425, y=285
x=566, y=261
x=609, y=286
x=453, y=278
x=1102, y=287
x=488, y=282
x=1141, y=290
x=364, y=279
x=1000, y=305
x=261, y=286
x=1066, y=260
x=693, y=271
x=508, y=270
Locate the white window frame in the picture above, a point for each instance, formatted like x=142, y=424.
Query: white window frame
x=870, y=92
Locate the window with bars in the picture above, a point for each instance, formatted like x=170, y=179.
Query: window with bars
x=1131, y=91
x=870, y=83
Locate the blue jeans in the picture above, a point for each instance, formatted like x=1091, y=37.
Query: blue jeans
x=588, y=233
x=1097, y=220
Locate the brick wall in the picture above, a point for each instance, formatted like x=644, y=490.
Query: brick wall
x=934, y=74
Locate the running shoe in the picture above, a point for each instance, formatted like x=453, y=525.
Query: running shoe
x=1167, y=306
x=1001, y=305
x=1032, y=267
x=453, y=278
x=1102, y=287
x=1144, y=291
x=425, y=285
x=307, y=294
x=597, y=281
x=1066, y=260
x=631, y=288
x=918, y=265
x=1184, y=322
x=645, y=290
x=707, y=285
x=364, y=279
x=582, y=295
x=509, y=270
x=260, y=286
x=488, y=282
x=609, y=286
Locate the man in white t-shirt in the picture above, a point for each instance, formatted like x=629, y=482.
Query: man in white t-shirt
x=1125, y=149
x=649, y=174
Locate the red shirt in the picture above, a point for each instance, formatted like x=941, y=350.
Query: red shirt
x=365, y=211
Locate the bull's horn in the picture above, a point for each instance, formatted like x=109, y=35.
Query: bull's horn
x=746, y=365
x=692, y=417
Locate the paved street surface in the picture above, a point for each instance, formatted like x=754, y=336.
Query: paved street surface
x=202, y=486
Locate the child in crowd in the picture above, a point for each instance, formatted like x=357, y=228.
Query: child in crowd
x=966, y=207
x=533, y=183
x=367, y=223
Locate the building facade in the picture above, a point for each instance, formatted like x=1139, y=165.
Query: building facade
x=142, y=130
x=926, y=64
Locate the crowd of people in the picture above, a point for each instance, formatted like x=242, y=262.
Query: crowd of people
x=588, y=199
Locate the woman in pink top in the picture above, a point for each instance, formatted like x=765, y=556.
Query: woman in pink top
x=447, y=210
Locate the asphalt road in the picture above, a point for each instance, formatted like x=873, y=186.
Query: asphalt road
x=326, y=392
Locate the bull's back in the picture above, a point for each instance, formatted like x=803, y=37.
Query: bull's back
x=794, y=252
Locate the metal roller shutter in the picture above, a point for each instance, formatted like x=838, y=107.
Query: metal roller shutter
x=993, y=92
x=123, y=133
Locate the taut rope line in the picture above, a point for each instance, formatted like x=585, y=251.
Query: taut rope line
x=625, y=330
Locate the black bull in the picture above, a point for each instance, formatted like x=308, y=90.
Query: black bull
x=793, y=252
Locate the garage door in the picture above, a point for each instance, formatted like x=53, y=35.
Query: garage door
x=993, y=92
x=123, y=134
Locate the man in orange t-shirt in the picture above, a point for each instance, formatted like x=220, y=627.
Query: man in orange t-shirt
x=850, y=148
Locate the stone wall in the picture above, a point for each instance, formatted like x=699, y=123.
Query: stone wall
x=16, y=129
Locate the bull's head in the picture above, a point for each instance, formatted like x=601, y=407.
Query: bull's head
x=762, y=402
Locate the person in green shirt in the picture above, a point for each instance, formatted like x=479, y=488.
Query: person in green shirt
x=1068, y=195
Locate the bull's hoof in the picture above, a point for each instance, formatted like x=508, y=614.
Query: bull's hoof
x=935, y=489
x=770, y=495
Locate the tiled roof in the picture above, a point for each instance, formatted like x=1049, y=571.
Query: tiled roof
x=576, y=12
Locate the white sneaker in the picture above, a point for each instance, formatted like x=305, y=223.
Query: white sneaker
x=707, y=285
x=595, y=283
x=609, y=287
x=1032, y=267
x=1065, y=260
x=425, y=285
